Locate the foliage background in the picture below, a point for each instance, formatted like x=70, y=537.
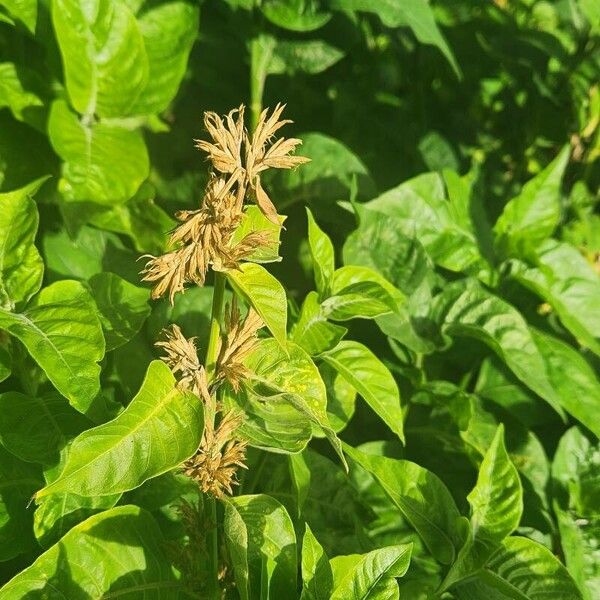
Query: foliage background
x=106, y=98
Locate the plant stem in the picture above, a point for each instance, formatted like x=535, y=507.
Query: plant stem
x=210, y=362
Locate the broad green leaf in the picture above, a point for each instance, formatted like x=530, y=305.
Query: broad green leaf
x=300, y=476
x=139, y=218
x=360, y=292
x=323, y=256
x=268, y=563
x=158, y=430
x=464, y=308
x=265, y=294
x=380, y=243
x=317, y=579
x=236, y=538
x=14, y=92
x=533, y=215
x=371, y=378
x=326, y=178
x=296, y=15
x=422, y=210
x=423, y=499
x=341, y=397
x=579, y=542
x=564, y=279
x=18, y=483
x=416, y=14
x=573, y=378
x=105, y=62
x=308, y=56
x=21, y=267
x=103, y=163
x=497, y=498
x=575, y=473
x=284, y=378
x=58, y=513
x=254, y=220
x=168, y=31
x=88, y=253
x=119, y=552
x=23, y=10
x=123, y=307
x=312, y=331
x=520, y=570
x=36, y=429
x=5, y=363
x=63, y=334
x=364, y=580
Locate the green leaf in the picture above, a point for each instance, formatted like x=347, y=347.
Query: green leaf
x=364, y=580
x=23, y=10
x=327, y=177
x=465, y=308
x=521, y=570
x=123, y=307
x=21, y=267
x=575, y=471
x=169, y=31
x=267, y=564
x=423, y=499
x=371, y=378
x=295, y=15
x=63, y=334
x=497, y=498
x=119, y=552
x=312, y=331
x=380, y=243
x=36, y=429
x=323, y=256
x=265, y=294
x=564, y=279
x=104, y=163
x=359, y=292
x=308, y=56
x=532, y=216
x=105, y=62
x=14, y=92
x=253, y=220
x=283, y=378
x=573, y=378
x=341, y=397
x=58, y=513
x=416, y=14
x=421, y=210
x=19, y=481
x=317, y=579
x=159, y=429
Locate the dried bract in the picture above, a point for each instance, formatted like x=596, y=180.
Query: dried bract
x=239, y=340
x=218, y=458
x=182, y=358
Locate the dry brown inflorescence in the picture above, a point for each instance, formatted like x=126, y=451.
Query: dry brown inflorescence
x=205, y=239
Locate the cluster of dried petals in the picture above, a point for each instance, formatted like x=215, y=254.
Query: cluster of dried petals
x=205, y=239
x=182, y=358
x=239, y=340
x=218, y=458
x=242, y=157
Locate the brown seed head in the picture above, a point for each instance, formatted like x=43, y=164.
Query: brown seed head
x=239, y=340
x=220, y=455
x=182, y=358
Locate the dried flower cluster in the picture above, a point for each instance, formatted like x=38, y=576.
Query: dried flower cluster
x=204, y=237
x=218, y=458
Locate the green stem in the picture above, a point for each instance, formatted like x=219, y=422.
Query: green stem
x=211, y=362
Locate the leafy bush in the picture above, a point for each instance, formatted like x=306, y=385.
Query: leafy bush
x=369, y=368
